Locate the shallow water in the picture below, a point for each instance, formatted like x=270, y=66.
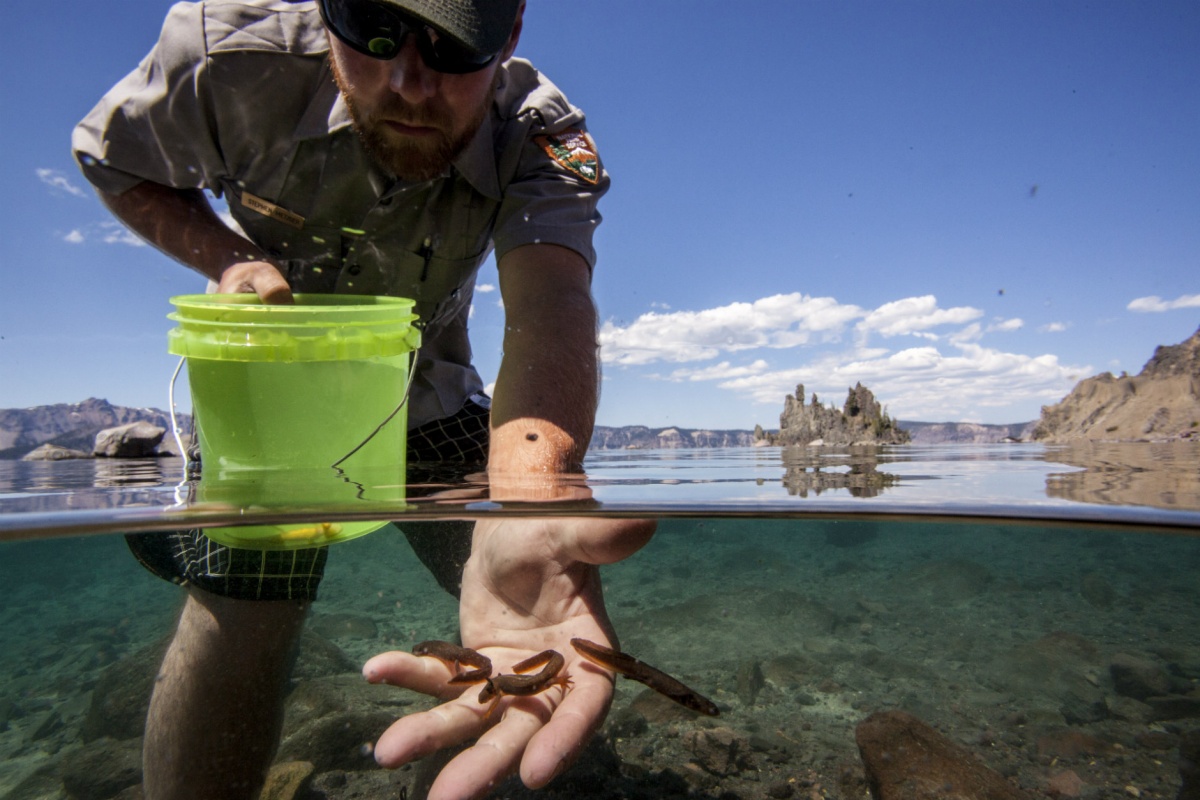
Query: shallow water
x=1000, y=594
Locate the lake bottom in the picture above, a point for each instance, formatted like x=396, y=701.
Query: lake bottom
x=1064, y=659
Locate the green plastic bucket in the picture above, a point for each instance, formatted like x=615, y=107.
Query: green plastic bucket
x=288, y=401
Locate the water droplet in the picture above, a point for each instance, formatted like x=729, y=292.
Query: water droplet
x=527, y=216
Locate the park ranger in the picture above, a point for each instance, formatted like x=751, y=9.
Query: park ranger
x=378, y=147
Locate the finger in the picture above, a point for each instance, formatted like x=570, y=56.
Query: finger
x=476, y=770
x=606, y=541
x=429, y=676
x=272, y=289
x=557, y=744
x=417, y=735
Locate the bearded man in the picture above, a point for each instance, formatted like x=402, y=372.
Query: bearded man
x=380, y=147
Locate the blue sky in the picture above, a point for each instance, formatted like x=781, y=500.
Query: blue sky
x=966, y=206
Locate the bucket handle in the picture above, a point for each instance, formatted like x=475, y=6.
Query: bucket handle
x=412, y=369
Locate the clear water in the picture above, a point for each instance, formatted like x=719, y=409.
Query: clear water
x=988, y=590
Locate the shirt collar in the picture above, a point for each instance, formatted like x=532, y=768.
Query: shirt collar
x=326, y=112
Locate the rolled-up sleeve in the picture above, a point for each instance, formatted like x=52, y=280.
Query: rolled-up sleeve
x=157, y=124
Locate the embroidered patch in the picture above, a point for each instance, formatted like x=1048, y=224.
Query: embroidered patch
x=575, y=151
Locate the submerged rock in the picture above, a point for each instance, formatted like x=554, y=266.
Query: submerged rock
x=907, y=759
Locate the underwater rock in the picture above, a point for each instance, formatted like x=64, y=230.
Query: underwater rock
x=719, y=751
x=1128, y=709
x=98, y=771
x=121, y=696
x=134, y=440
x=343, y=740
x=1064, y=784
x=320, y=657
x=1071, y=744
x=1138, y=678
x=312, y=699
x=1189, y=766
x=750, y=681
x=287, y=781
x=907, y=759
x=1175, y=706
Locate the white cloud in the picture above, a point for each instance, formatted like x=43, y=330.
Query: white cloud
x=921, y=382
x=1053, y=327
x=1156, y=304
x=484, y=288
x=915, y=314
x=722, y=371
x=55, y=179
x=779, y=321
x=115, y=233
x=1006, y=325
x=109, y=232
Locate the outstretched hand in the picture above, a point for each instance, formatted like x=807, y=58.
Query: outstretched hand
x=530, y=585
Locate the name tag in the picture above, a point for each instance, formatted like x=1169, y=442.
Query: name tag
x=269, y=209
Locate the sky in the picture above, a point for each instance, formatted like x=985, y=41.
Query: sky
x=966, y=206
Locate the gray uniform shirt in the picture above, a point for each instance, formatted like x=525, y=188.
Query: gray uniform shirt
x=237, y=97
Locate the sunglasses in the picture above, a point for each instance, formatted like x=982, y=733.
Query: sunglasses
x=378, y=31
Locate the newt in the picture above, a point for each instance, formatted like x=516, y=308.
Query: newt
x=459, y=657
x=526, y=685
x=642, y=672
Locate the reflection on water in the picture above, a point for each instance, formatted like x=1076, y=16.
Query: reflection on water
x=810, y=471
x=1163, y=475
x=1032, y=481
x=1056, y=657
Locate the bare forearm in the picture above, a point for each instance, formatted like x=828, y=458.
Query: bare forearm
x=548, y=386
x=182, y=224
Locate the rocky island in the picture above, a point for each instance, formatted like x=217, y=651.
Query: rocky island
x=861, y=420
x=1160, y=403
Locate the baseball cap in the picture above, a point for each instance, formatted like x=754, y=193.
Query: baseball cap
x=480, y=25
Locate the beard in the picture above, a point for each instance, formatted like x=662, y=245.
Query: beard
x=411, y=158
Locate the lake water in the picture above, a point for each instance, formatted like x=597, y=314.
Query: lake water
x=1036, y=605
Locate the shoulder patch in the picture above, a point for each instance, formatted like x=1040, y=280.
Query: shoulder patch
x=574, y=151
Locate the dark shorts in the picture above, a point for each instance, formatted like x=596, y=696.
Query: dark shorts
x=190, y=558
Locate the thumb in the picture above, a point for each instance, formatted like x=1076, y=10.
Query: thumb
x=606, y=541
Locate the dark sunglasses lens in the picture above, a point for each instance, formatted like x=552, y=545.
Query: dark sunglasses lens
x=445, y=55
x=366, y=26
x=378, y=31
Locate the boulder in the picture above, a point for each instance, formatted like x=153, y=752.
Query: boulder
x=1138, y=678
x=906, y=759
x=135, y=440
x=53, y=452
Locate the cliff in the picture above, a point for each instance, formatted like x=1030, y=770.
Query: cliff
x=1160, y=403
x=639, y=437
x=967, y=432
x=862, y=420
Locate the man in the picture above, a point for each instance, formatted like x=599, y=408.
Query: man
x=379, y=147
